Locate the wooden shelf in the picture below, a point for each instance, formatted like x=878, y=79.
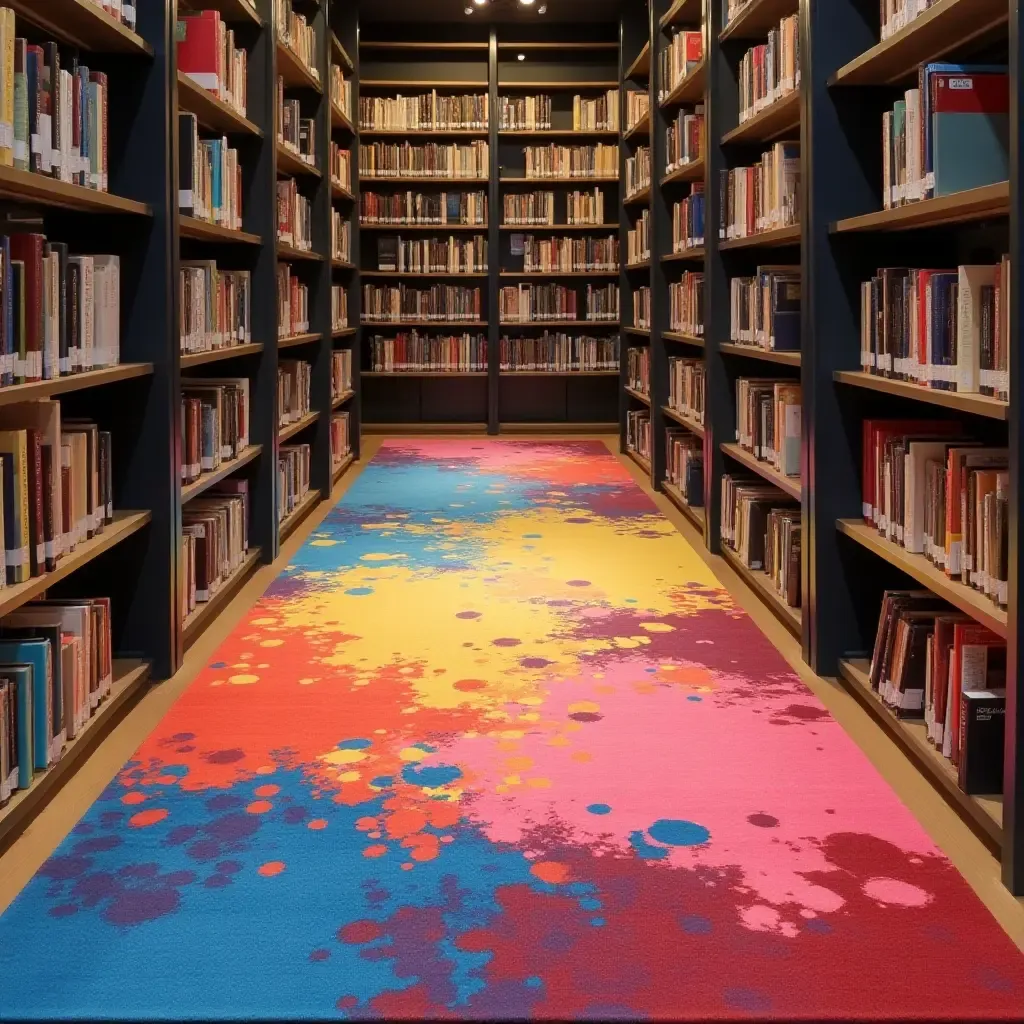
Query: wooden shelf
x=213, y=113
x=558, y=133
x=291, y=340
x=293, y=520
x=193, y=227
x=560, y=323
x=557, y=273
x=342, y=398
x=683, y=420
x=640, y=332
x=638, y=395
x=687, y=255
x=339, y=119
x=563, y=182
x=685, y=339
x=943, y=29
x=479, y=228
x=15, y=393
x=790, y=485
x=682, y=12
x=194, y=625
x=190, y=359
x=974, y=204
x=130, y=679
x=983, y=813
x=642, y=127
x=232, y=11
x=641, y=67
x=695, y=515
x=559, y=373
x=639, y=198
x=289, y=431
x=423, y=133
x=38, y=189
x=290, y=252
x=692, y=171
x=123, y=526
x=338, y=264
x=763, y=587
x=424, y=373
x=340, y=54
x=756, y=352
x=961, y=596
x=418, y=273
x=643, y=463
x=557, y=86
x=757, y=18
x=289, y=162
x=338, y=191
x=773, y=122
x=976, y=405
x=766, y=239
x=689, y=90
x=337, y=472
x=295, y=74
x=343, y=332
x=214, y=476
x=441, y=325
x=527, y=228
x=81, y=23
x=642, y=265
x=424, y=180
x=417, y=83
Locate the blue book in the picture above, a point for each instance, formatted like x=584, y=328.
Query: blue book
x=51, y=633
x=21, y=678
x=217, y=200
x=943, y=314
x=37, y=654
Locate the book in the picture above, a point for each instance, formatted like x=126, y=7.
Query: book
x=982, y=734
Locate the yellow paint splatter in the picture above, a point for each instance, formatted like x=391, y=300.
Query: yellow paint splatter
x=323, y=543
x=271, y=643
x=584, y=706
x=243, y=680
x=539, y=783
x=412, y=754
x=380, y=556
x=657, y=627
x=344, y=756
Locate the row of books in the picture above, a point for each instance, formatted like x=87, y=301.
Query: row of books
x=295, y=132
x=539, y=208
x=770, y=71
x=292, y=303
x=215, y=541
x=341, y=438
x=451, y=255
x=943, y=329
x=416, y=352
x=419, y=208
x=341, y=372
x=293, y=462
x=686, y=304
x=950, y=133
x=209, y=176
x=763, y=526
x=686, y=384
x=763, y=197
x=207, y=54
x=688, y=220
x=340, y=166
x=764, y=309
x=638, y=171
x=214, y=423
x=638, y=432
x=684, y=465
x=933, y=663
x=295, y=32
x=642, y=308
x=638, y=239
x=341, y=91
x=638, y=369
x=395, y=303
x=53, y=116
x=555, y=161
x=531, y=303
x=56, y=669
x=61, y=313
x=341, y=237
x=558, y=353
x=294, y=216
x=339, y=307
x=432, y=160
x=294, y=377
x=768, y=416
x=936, y=492
x=684, y=51
x=684, y=139
x=123, y=11
x=215, y=307
x=599, y=114
x=524, y=113
x=570, y=254
x=425, y=111
x=638, y=106
x=898, y=14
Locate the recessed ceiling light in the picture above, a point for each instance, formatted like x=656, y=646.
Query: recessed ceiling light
x=522, y=56
x=479, y=3
x=526, y=3
x=543, y=9
x=469, y=10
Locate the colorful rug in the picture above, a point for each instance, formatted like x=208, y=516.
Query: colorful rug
x=497, y=745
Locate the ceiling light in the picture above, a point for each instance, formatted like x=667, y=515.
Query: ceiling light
x=543, y=9
x=469, y=10
x=479, y=3
x=522, y=56
x=526, y=3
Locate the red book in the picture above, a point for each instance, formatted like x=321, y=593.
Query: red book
x=199, y=50
x=694, y=48
x=28, y=248
x=970, y=93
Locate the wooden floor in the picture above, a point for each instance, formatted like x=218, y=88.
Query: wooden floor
x=965, y=850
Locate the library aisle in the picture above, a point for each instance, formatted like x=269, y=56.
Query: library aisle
x=496, y=744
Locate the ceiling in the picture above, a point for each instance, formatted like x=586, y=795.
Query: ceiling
x=375, y=11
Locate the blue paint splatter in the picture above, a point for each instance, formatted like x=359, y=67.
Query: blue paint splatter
x=589, y=903
x=359, y=591
x=430, y=776
x=382, y=782
x=356, y=743
x=599, y=809
x=597, y=922
x=676, y=832
x=644, y=848
x=694, y=698
x=533, y=982
x=693, y=924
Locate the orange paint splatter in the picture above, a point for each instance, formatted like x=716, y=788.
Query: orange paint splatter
x=468, y=685
x=317, y=824
x=550, y=871
x=405, y=822
x=377, y=850
x=133, y=798
x=271, y=868
x=268, y=790
x=259, y=807
x=359, y=932
x=167, y=780
x=366, y=824
x=145, y=818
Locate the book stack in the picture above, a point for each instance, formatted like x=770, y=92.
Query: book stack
x=395, y=304
x=554, y=161
x=685, y=139
x=214, y=307
x=404, y=160
x=683, y=53
x=414, y=352
x=122, y=11
x=897, y=14
x=763, y=197
x=768, y=421
x=569, y=254
x=529, y=303
x=339, y=307
x=341, y=91
x=948, y=330
x=948, y=134
x=294, y=216
x=293, y=381
x=209, y=176
x=686, y=304
x=56, y=668
x=642, y=308
x=292, y=478
x=933, y=663
x=341, y=166
x=292, y=303
x=559, y=353
x=341, y=372
x=452, y=255
x=638, y=432
x=428, y=111
x=754, y=518
x=770, y=71
x=529, y=208
x=638, y=240
x=58, y=125
x=214, y=424
x=215, y=538
x=207, y=54
x=764, y=310
x=638, y=106
x=686, y=379
x=638, y=369
x=298, y=35
x=688, y=220
x=684, y=465
x=938, y=493
x=341, y=237
x=585, y=207
x=295, y=132
x=417, y=208
x=341, y=444
x=601, y=114
x=525, y=113
x=638, y=171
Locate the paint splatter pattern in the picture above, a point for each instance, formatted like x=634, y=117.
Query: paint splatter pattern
x=496, y=745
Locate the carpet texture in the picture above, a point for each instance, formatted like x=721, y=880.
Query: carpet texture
x=497, y=745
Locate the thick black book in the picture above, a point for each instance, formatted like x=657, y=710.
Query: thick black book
x=387, y=253
x=186, y=163
x=982, y=728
